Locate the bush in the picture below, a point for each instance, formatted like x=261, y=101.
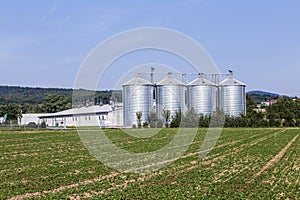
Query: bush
x=152, y=124
x=139, y=125
x=32, y=125
x=191, y=119
x=133, y=126
x=145, y=125
x=43, y=125
x=204, y=120
x=175, y=123
x=159, y=123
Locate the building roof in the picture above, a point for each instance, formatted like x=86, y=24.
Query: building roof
x=201, y=81
x=231, y=81
x=137, y=81
x=170, y=81
x=79, y=111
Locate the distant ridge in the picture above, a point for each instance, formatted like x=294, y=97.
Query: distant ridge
x=37, y=95
x=259, y=92
x=259, y=96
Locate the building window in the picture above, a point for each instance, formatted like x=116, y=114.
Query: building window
x=85, y=118
x=103, y=117
x=89, y=117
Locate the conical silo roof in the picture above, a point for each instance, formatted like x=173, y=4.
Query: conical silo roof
x=201, y=81
x=170, y=81
x=137, y=81
x=231, y=81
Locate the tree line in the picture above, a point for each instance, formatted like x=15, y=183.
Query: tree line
x=284, y=113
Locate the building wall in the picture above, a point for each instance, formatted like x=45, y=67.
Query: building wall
x=115, y=118
x=88, y=120
x=82, y=120
x=110, y=119
x=27, y=118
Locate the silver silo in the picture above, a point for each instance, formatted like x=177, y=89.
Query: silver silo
x=202, y=96
x=137, y=96
x=170, y=96
x=232, y=97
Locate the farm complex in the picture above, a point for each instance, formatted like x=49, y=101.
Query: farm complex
x=205, y=95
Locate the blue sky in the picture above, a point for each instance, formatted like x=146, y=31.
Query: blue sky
x=43, y=43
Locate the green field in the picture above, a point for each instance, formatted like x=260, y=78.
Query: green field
x=245, y=164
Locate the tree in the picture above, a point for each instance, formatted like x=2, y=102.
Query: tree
x=139, y=115
x=3, y=110
x=204, y=120
x=153, y=119
x=175, y=123
x=27, y=108
x=217, y=118
x=145, y=125
x=166, y=115
x=40, y=108
x=12, y=110
x=159, y=123
x=285, y=110
x=191, y=119
x=56, y=102
x=253, y=118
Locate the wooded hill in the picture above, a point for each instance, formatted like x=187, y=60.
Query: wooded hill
x=39, y=100
x=262, y=96
x=35, y=96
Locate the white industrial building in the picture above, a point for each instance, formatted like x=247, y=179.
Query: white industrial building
x=103, y=116
x=29, y=118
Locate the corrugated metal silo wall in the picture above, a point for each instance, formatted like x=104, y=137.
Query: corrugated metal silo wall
x=232, y=99
x=203, y=98
x=137, y=98
x=170, y=97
